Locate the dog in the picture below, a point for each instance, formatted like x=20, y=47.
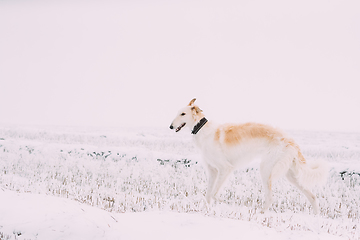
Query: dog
x=227, y=147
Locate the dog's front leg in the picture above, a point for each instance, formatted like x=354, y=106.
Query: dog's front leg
x=223, y=175
x=212, y=175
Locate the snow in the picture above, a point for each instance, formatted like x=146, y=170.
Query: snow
x=93, y=183
x=37, y=216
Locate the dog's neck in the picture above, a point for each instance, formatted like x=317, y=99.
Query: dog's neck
x=199, y=125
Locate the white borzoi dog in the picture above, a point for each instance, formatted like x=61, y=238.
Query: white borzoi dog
x=227, y=147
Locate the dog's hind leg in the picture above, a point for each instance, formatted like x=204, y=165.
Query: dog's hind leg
x=310, y=196
x=267, y=185
x=212, y=176
x=265, y=172
x=271, y=171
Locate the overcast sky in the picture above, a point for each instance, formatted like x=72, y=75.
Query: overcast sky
x=291, y=64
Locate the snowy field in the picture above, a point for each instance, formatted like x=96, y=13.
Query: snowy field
x=89, y=183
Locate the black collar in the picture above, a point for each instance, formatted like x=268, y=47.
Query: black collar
x=199, y=125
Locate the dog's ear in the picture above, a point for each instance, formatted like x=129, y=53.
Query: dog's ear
x=192, y=102
x=196, y=109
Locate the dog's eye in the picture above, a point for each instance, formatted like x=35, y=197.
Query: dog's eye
x=183, y=114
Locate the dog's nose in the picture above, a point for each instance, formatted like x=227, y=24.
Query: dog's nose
x=171, y=127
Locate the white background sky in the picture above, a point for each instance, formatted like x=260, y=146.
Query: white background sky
x=292, y=64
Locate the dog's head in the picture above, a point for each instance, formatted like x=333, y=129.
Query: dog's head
x=188, y=116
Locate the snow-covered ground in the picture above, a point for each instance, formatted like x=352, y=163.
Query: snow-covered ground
x=92, y=183
x=32, y=216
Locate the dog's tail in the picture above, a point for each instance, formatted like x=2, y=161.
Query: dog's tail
x=309, y=174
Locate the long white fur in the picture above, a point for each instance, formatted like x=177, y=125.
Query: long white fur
x=223, y=153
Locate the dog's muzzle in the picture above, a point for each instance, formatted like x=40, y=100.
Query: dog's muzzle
x=179, y=128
